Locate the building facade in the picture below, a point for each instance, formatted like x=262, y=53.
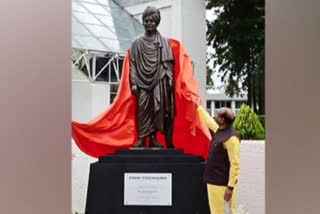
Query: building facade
x=218, y=100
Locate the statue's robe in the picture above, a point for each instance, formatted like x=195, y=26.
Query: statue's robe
x=151, y=70
x=115, y=127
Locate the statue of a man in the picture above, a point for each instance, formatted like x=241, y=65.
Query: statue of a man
x=151, y=79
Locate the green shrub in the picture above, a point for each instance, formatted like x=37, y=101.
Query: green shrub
x=248, y=124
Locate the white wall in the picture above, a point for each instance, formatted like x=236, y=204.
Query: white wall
x=193, y=34
x=251, y=182
x=81, y=101
x=80, y=178
x=88, y=100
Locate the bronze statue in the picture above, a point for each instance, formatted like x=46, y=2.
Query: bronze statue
x=151, y=79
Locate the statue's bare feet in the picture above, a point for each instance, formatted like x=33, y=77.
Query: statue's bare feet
x=169, y=145
x=155, y=144
x=140, y=143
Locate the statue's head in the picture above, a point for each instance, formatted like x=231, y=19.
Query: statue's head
x=151, y=18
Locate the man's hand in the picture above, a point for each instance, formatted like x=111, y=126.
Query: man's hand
x=197, y=101
x=228, y=194
x=134, y=89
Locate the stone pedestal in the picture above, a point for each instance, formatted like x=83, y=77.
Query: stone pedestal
x=106, y=182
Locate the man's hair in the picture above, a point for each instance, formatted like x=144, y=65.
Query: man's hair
x=228, y=120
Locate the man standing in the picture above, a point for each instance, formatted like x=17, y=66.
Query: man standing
x=151, y=81
x=223, y=164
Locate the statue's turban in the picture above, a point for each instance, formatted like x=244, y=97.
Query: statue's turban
x=153, y=12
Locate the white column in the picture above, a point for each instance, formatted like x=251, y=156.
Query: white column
x=212, y=108
x=193, y=37
x=233, y=106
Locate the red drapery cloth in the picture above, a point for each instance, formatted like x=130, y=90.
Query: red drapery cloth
x=115, y=127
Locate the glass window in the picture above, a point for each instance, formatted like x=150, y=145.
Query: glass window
x=208, y=104
x=217, y=104
x=113, y=91
x=114, y=88
x=124, y=45
x=101, y=31
x=103, y=2
x=86, y=18
x=79, y=29
x=109, y=73
x=107, y=20
x=239, y=103
x=90, y=41
x=91, y=1
x=112, y=43
x=78, y=7
x=96, y=9
x=75, y=43
x=103, y=20
x=120, y=67
x=223, y=103
x=100, y=63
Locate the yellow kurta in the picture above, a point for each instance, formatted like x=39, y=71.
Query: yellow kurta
x=232, y=145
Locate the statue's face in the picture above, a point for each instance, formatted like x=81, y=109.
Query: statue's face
x=149, y=24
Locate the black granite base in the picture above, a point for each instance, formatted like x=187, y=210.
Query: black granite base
x=106, y=181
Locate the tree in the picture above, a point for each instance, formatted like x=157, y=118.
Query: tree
x=210, y=83
x=237, y=35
